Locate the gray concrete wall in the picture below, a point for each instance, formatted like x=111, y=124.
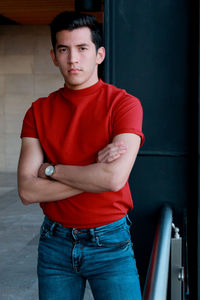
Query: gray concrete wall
x=26, y=73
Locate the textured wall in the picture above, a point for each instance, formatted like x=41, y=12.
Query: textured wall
x=26, y=73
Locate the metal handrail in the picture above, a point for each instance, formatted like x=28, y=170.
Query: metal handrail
x=157, y=276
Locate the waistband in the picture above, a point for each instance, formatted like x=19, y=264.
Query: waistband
x=55, y=227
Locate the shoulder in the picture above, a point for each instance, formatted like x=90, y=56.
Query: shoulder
x=118, y=96
x=47, y=100
x=112, y=89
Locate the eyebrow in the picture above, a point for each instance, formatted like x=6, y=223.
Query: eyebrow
x=79, y=45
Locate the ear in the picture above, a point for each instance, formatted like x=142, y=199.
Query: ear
x=100, y=55
x=53, y=56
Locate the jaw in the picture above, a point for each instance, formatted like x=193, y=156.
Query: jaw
x=81, y=79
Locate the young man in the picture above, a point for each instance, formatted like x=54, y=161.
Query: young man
x=78, y=148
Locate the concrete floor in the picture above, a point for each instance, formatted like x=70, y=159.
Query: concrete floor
x=19, y=234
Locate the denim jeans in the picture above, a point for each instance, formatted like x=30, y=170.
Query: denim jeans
x=103, y=255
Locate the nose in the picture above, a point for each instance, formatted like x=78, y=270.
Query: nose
x=73, y=56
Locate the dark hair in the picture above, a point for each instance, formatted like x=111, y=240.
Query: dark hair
x=73, y=20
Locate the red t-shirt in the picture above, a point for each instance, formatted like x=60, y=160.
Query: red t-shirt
x=72, y=126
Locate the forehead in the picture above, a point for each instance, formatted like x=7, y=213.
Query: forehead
x=74, y=37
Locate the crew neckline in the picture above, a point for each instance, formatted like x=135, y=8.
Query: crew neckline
x=82, y=92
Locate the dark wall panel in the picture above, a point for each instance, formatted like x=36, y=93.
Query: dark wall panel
x=162, y=182
x=150, y=57
x=149, y=53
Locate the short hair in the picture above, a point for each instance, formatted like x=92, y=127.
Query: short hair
x=74, y=20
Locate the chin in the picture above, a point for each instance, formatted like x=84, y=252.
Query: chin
x=74, y=83
x=74, y=86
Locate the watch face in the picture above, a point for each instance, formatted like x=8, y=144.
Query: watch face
x=49, y=170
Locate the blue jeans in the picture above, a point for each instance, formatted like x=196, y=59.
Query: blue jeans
x=103, y=255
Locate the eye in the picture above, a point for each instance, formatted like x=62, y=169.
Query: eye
x=83, y=49
x=62, y=50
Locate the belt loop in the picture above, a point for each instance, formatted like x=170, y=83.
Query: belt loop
x=94, y=237
x=92, y=234
x=52, y=228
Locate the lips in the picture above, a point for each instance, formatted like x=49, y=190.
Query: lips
x=74, y=71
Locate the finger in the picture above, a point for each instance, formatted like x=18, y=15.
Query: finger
x=106, y=149
x=111, y=145
x=108, y=154
x=112, y=158
x=103, y=156
x=110, y=151
x=111, y=148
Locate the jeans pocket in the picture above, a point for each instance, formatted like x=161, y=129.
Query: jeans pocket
x=119, y=238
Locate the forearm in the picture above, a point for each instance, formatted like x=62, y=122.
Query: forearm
x=37, y=190
x=95, y=178
x=102, y=177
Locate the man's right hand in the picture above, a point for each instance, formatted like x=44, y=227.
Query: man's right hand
x=111, y=152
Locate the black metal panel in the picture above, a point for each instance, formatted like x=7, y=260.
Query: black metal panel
x=154, y=182
x=150, y=58
x=150, y=54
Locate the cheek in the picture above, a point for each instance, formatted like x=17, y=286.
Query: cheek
x=92, y=62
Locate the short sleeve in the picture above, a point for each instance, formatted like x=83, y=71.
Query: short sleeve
x=127, y=117
x=28, y=127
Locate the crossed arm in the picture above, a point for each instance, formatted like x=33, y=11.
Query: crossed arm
x=110, y=173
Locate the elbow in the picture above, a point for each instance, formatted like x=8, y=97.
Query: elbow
x=115, y=179
x=116, y=183
x=24, y=196
x=25, y=202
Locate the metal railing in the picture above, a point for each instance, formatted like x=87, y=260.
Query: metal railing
x=157, y=276
x=177, y=269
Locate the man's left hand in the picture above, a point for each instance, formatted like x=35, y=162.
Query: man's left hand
x=111, y=152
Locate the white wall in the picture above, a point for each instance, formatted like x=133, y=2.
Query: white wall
x=26, y=73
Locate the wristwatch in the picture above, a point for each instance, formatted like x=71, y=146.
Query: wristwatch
x=49, y=171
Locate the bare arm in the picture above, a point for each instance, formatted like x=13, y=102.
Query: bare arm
x=102, y=177
x=31, y=188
